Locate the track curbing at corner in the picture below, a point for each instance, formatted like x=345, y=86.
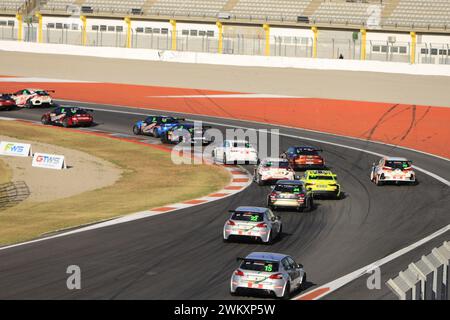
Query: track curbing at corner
x=240, y=179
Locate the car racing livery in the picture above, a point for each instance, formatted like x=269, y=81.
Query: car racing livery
x=235, y=151
x=290, y=194
x=7, y=102
x=68, y=117
x=304, y=157
x=272, y=273
x=155, y=126
x=30, y=98
x=252, y=222
x=187, y=133
x=393, y=170
x=273, y=169
x=322, y=183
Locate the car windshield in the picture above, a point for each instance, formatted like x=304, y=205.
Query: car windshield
x=41, y=93
x=259, y=265
x=397, y=164
x=248, y=216
x=276, y=164
x=290, y=188
x=320, y=178
x=306, y=152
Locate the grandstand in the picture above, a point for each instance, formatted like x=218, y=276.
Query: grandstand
x=12, y=6
x=382, y=14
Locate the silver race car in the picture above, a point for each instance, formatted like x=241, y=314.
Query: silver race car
x=271, y=273
x=252, y=222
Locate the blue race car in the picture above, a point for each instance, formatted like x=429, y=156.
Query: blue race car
x=155, y=125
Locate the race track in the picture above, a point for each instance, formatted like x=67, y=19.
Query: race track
x=180, y=255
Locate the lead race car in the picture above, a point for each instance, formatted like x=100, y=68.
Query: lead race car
x=68, y=117
x=393, y=170
x=155, y=126
x=273, y=169
x=30, y=98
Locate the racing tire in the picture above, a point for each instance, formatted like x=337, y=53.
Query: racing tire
x=378, y=182
x=28, y=104
x=234, y=294
x=225, y=240
x=270, y=240
x=287, y=292
x=280, y=232
x=260, y=181
x=45, y=121
x=303, y=284
x=136, y=130
x=224, y=159
x=65, y=123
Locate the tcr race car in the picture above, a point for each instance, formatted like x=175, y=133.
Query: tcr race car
x=273, y=169
x=393, y=170
x=322, y=183
x=303, y=158
x=30, y=98
x=187, y=133
x=155, y=125
x=273, y=273
x=68, y=117
x=236, y=152
x=252, y=222
x=7, y=102
x=290, y=194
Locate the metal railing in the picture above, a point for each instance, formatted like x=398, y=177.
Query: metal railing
x=426, y=279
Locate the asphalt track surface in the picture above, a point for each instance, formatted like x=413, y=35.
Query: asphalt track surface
x=180, y=255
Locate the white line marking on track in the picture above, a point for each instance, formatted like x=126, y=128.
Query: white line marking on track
x=342, y=281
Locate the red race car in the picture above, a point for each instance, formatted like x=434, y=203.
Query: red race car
x=68, y=117
x=7, y=102
x=303, y=158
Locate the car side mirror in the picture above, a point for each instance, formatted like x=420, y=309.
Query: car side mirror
x=297, y=177
x=300, y=266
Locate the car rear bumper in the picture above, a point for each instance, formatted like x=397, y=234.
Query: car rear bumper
x=287, y=203
x=260, y=234
x=275, y=286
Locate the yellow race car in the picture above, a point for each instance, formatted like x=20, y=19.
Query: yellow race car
x=322, y=183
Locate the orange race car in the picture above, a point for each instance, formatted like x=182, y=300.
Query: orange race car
x=304, y=157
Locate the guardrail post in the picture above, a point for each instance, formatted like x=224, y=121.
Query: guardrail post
x=438, y=274
x=173, y=23
x=83, y=30
x=413, y=47
x=128, y=22
x=363, y=43
x=401, y=289
x=425, y=274
x=266, y=28
x=220, y=43
x=315, y=32
x=413, y=281
x=443, y=255
x=20, y=27
x=39, y=16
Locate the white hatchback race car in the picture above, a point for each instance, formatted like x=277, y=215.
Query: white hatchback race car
x=273, y=169
x=29, y=98
x=235, y=152
x=393, y=170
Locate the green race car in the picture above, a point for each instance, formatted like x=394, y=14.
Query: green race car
x=322, y=183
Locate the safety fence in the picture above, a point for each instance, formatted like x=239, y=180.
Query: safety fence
x=426, y=279
x=242, y=44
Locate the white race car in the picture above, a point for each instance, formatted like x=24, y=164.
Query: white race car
x=30, y=98
x=392, y=170
x=273, y=169
x=235, y=152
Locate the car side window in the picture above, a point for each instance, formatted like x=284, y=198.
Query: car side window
x=286, y=264
x=291, y=262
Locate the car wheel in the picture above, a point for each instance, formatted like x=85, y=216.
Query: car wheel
x=44, y=121
x=65, y=123
x=28, y=104
x=287, y=292
x=377, y=181
x=280, y=232
x=270, y=240
x=224, y=158
x=234, y=294
x=136, y=130
x=303, y=284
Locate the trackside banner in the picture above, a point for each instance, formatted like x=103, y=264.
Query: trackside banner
x=48, y=161
x=15, y=149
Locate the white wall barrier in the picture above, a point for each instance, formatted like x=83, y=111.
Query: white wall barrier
x=227, y=59
x=426, y=279
x=49, y=161
x=15, y=149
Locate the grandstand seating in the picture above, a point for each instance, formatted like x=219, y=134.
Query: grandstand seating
x=208, y=8
x=260, y=9
x=11, y=5
x=421, y=13
x=344, y=12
